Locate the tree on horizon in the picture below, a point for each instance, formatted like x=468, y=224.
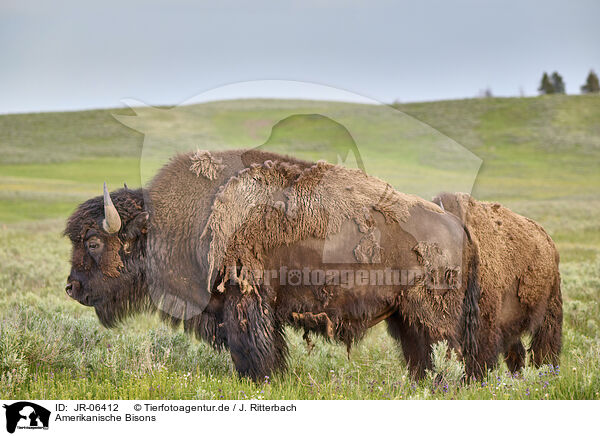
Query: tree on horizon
x=592, y=85
x=558, y=83
x=546, y=86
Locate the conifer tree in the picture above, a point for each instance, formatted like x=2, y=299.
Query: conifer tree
x=558, y=83
x=592, y=86
x=546, y=86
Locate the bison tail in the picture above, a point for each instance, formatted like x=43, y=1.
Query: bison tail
x=471, y=314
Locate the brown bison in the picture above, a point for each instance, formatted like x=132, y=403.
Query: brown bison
x=239, y=244
x=520, y=282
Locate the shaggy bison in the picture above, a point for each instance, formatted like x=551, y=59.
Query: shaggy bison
x=237, y=245
x=520, y=282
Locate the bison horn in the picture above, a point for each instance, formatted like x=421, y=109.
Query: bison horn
x=442, y=205
x=112, y=220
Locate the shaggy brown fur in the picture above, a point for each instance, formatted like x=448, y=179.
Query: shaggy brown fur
x=520, y=282
x=281, y=203
x=203, y=163
x=180, y=202
x=192, y=242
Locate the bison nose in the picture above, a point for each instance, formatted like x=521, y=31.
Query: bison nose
x=72, y=288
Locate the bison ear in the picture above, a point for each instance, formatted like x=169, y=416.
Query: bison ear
x=137, y=226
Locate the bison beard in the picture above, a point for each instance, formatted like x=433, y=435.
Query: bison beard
x=200, y=204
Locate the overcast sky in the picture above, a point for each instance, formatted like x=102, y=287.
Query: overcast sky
x=64, y=55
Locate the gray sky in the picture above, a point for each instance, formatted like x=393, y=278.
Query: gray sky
x=64, y=55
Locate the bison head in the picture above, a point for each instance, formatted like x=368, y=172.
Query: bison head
x=108, y=235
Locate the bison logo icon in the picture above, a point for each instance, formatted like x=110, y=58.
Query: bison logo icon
x=26, y=415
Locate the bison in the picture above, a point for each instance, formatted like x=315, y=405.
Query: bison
x=520, y=282
x=238, y=244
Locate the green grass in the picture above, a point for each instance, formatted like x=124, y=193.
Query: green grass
x=540, y=158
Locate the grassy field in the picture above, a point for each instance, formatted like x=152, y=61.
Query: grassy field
x=540, y=157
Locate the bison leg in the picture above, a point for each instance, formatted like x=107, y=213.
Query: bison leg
x=515, y=356
x=254, y=337
x=547, y=339
x=416, y=346
x=309, y=343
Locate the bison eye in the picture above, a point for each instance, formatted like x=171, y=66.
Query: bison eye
x=94, y=245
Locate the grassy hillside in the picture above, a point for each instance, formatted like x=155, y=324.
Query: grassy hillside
x=540, y=157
